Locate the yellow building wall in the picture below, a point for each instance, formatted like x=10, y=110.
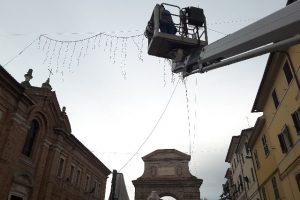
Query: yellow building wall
x=290, y=185
x=267, y=164
x=269, y=188
x=277, y=163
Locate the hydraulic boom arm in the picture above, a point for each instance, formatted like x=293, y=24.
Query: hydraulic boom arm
x=274, y=32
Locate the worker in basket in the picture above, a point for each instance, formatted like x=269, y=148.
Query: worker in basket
x=166, y=24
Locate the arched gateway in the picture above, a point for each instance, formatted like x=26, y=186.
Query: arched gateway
x=167, y=172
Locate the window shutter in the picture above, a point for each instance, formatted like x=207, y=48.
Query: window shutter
x=298, y=180
x=288, y=135
x=287, y=72
x=275, y=99
x=282, y=143
x=296, y=121
x=275, y=188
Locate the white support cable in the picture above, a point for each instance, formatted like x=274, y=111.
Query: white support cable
x=22, y=51
x=153, y=129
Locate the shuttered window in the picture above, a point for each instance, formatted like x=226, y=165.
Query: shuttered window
x=275, y=99
x=275, y=188
x=296, y=120
x=288, y=72
x=252, y=174
x=264, y=193
x=285, y=140
x=256, y=159
x=265, y=145
x=298, y=180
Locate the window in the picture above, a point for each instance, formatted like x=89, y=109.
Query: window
x=60, y=167
x=246, y=179
x=234, y=163
x=31, y=134
x=285, y=140
x=99, y=189
x=298, y=180
x=241, y=182
x=263, y=193
x=72, y=173
x=235, y=188
x=242, y=156
x=265, y=145
x=296, y=120
x=93, y=190
x=275, y=188
x=13, y=197
x=246, y=147
x=1, y=115
x=87, y=183
x=275, y=99
x=77, y=179
x=287, y=72
x=252, y=174
x=256, y=159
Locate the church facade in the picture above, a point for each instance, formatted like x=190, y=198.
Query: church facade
x=39, y=156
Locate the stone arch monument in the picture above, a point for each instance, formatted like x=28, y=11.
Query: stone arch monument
x=167, y=172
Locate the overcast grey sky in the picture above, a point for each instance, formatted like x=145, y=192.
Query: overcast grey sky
x=111, y=115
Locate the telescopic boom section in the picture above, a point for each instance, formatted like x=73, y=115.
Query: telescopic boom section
x=274, y=32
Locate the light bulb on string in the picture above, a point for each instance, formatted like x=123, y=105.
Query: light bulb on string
x=66, y=54
x=58, y=56
x=71, y=59
x=87, y=48
x=80, y=53
x=51, y=57
x=47, y=52
x=115, y=50
x=99, y=40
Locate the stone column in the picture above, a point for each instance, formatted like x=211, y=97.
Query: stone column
x=11, y=151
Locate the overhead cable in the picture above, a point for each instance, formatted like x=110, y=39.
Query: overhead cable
x=153, y=129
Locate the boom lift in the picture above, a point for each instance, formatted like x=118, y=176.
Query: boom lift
x=190, y=52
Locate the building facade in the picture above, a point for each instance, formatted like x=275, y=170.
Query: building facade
x=39, y=157
x=231, y=174
x=241, y=177
x=273, y=147
x=276, y=147
x=247, y=171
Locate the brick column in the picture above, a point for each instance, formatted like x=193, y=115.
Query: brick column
x=52, y=174
x=11, y=151
x=40, y=169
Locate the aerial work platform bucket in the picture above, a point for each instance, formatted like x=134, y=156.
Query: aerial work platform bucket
x=166, y=37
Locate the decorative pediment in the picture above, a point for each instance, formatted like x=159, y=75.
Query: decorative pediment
x=47, y=103
x=166, y=154
x=166, y=171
